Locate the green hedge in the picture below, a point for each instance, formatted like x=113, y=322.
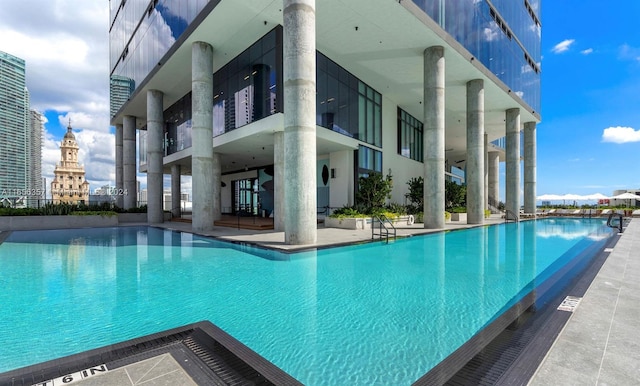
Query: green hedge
x=70, y=209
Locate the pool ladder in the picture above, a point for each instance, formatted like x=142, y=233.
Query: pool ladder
x=510, y=216
x=385, y=227
x=612, y=224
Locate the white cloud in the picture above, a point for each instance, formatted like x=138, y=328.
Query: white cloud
x=628, y=52
x=562, y=46
x=587, y=51
x=65, y=45
x=66, y=48
x=525, y=69
x=491, y=33
x=50, y=156
x=620, y=134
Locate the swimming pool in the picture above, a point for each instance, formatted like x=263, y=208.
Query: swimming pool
x=366, y=314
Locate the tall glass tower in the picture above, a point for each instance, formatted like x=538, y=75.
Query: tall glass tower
x=14, y=126
x=36, y=129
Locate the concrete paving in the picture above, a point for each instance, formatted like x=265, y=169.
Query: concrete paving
x=600, y=345
x=326, y=236
x=160, y=370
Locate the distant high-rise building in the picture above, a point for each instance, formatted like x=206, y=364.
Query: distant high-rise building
x=120, y=88
x=34, y=157
x=69, y=184
x=14, y=126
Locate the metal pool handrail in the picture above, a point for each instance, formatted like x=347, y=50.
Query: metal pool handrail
x=610, y=224
x=510, y=216
x=382, y=221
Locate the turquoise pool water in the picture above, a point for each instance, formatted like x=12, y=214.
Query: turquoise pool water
x=366, y=314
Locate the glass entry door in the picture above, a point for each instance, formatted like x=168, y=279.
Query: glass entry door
x=245, y=196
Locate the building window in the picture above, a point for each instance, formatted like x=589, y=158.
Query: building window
x=410, y=143
x=345, y=104
x=369, y=160
x=142, y=146
x=247, y=89
x=370, y=111
x=178, y=123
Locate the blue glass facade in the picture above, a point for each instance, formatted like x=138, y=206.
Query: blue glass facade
x=503, y=34
x=142, y=31
x=14, y=127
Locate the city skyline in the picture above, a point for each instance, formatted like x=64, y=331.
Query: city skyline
x=586, y=140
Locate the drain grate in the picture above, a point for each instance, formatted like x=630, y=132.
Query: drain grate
x=570, y=303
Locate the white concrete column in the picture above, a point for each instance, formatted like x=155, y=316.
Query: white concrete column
x=512, y=169
x=216, y=185
x=202, y=136
x=299, y=71
x=129, y=181
x=155, y=135
x=434, y=70
x=475, y=152
x=278, y=181
x=176, y=209
x=486, y=170
x=119, y=167
x=494, y=178
x=530, y=167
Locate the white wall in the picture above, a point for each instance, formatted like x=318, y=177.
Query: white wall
x=341, y=187
x=402, y=168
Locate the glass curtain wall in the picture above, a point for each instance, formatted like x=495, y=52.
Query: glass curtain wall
x=177, y=126
x=248, y=88
x=142, y=32
x=410, y=134
x=142, y=146
x=503, y=34
x=368, y=160
x=345, y=104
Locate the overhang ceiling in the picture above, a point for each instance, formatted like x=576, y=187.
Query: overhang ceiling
x=380, y=41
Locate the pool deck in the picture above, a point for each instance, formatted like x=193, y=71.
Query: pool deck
x=599, y=345
x=326, y=237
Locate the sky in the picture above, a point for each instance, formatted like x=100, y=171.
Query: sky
x=588, y=139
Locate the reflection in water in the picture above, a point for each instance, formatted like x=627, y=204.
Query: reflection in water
x=374, y=313
x=568, y=229
x=71, y=261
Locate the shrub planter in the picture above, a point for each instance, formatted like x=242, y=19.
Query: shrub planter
x=462, y=217
x=360, y=223
x=132, y=217
x=17, y=223
x=403, y=220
